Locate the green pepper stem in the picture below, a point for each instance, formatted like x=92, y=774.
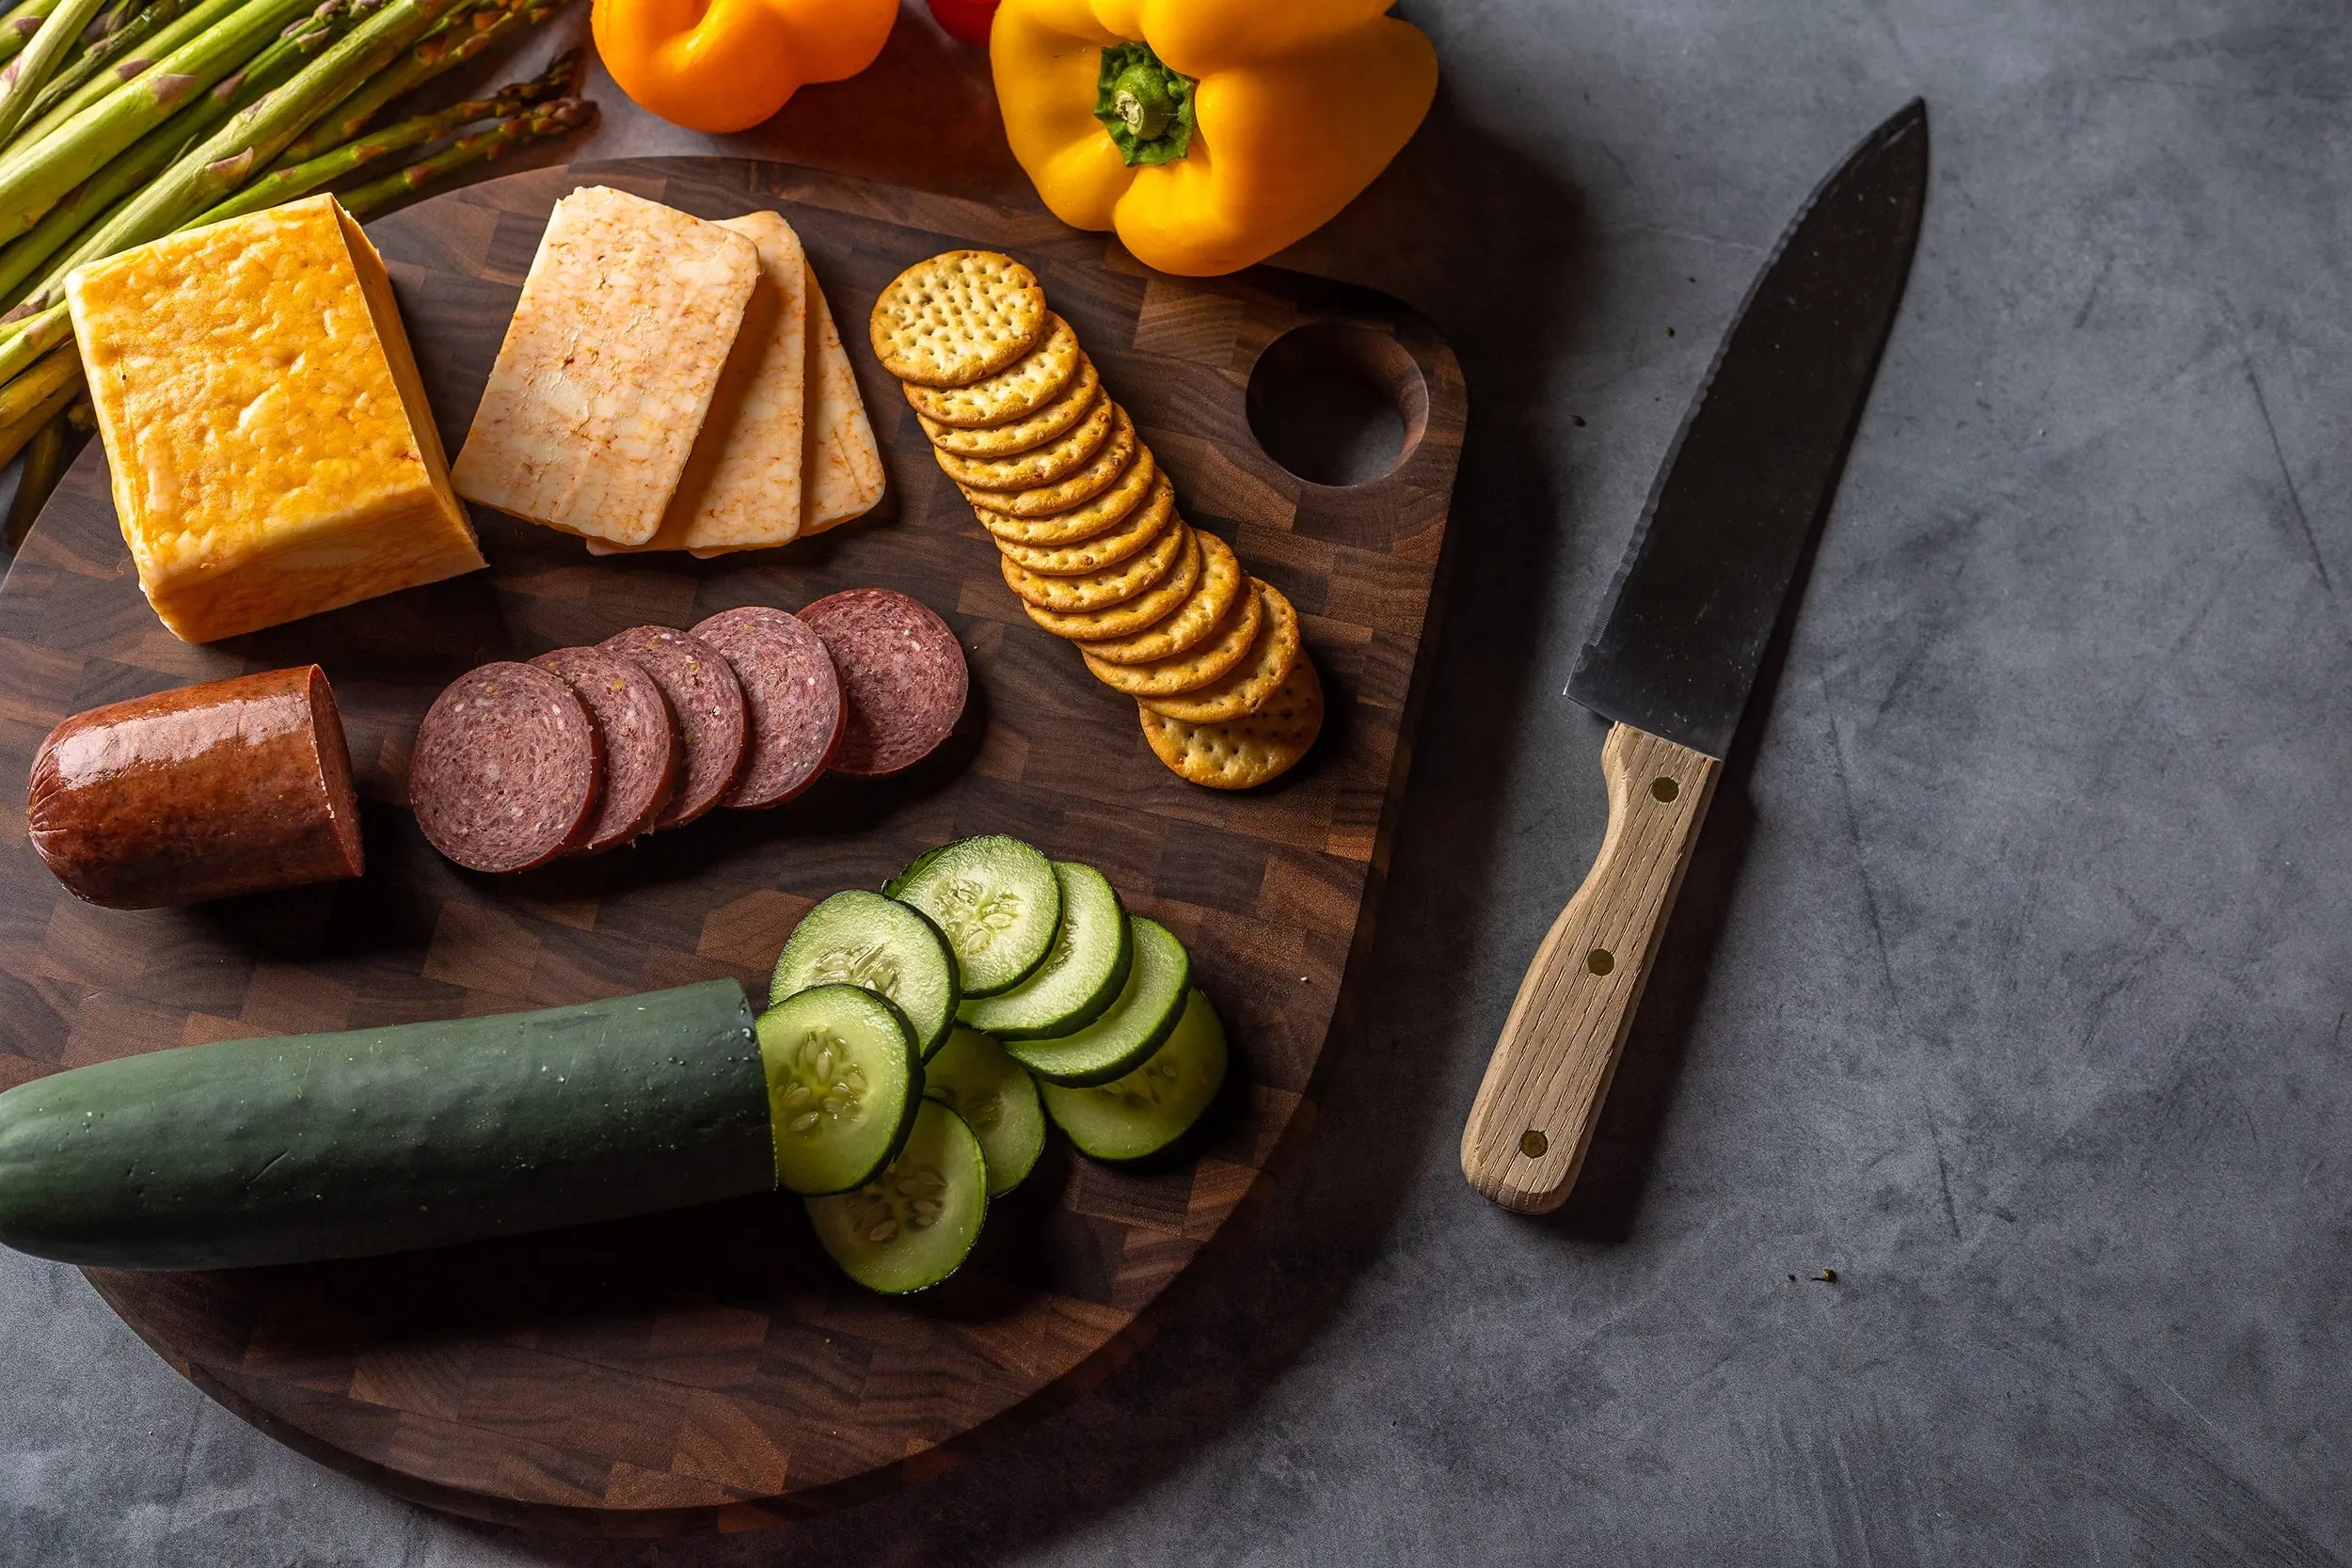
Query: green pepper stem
x=1142, y=97
x=1145, y=106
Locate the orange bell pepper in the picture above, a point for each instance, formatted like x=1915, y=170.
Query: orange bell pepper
x=727, y=65
x=1209, y=134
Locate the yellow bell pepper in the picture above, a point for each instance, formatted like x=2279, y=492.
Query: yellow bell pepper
x=727, y=65
x=1209, y=134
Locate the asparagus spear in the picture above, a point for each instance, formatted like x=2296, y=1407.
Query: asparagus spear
x=170, y=36
x=228, y=157
x=142, y=25
x=548, y=121
x=15, y=438
x=116, y=16
x=105, y=190
x=32, y=180
x=465, y=37
x=335, y=127
x=303, y=177
x=462, y=38
x=23, y=77
x=33, y=337
x=55, y=381
x=18, y=27
x=46, y=459
x=26, y=402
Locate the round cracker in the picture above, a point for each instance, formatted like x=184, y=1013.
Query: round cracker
x=1249, y=685
x=1196, y=666
x=1015, y=393
x=959, y=317
x=1086, y=521
x=1075, y=488
x=1190, y=624
x=1120, y=619
x=1040, y=466
x=1132, y=534
x=1060, y=413
x=1242, y=753
x=1101, y=590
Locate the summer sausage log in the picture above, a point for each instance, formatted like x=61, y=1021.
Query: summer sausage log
x=903, y=677
x=635, y=734
x=707, y=702
x=505, y=774
x=793, y=696
x=234, y=786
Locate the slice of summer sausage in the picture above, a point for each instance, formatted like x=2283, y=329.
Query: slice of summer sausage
x=505, y=773
x=635, y=734
x=707, y=702
x=233, y=786
x=794, y=697
x=903, y=677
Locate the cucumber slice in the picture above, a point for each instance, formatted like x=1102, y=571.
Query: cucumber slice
x=864, y=939
x=973, y=1077
x=1137, y=1024
x=890, y=888
x=996, y=900
x=1081, y=976
x=1157, y=1103
x=843, y=1082
x=914, y=1224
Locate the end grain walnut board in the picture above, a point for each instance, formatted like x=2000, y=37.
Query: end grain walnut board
x=711, y=1368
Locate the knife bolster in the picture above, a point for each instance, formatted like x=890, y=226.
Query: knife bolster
x=1532, y=1119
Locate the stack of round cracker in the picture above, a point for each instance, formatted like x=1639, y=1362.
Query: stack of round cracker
x=1086, y=523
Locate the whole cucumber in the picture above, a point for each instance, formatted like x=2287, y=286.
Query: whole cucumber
x=380, y=1140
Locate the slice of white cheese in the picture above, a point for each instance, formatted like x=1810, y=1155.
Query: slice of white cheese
x=609, y=366
x=787, y=449
x=744, y=482
x=842, y=472
x=742, y=489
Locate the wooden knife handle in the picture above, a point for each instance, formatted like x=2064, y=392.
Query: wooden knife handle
x=1534, y=1116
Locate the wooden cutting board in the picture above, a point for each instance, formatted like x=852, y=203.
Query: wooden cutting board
x=711, y=1368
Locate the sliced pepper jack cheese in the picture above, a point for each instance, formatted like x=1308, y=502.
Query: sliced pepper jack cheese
x=271, y=451
x=841, y=473
x=609, y=366
x=741, y=488
x=787, y=449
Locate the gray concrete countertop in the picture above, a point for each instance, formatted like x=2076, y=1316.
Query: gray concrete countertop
x=2012, y=981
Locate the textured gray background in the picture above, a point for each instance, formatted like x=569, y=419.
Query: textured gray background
x=2011, y=984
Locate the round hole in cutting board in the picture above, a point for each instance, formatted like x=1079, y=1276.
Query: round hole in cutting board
x=1337, y=402
x=1599, y=960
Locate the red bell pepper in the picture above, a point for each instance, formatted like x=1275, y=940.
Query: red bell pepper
x=965, y=19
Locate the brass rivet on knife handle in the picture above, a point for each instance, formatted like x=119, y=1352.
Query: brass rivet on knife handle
x=1534, y=1113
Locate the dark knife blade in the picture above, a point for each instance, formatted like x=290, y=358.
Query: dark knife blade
x=1751, y=470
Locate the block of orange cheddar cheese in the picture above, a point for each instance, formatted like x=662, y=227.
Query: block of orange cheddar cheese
x=272, y=451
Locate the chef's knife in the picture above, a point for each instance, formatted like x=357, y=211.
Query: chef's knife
x=1671, y=659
